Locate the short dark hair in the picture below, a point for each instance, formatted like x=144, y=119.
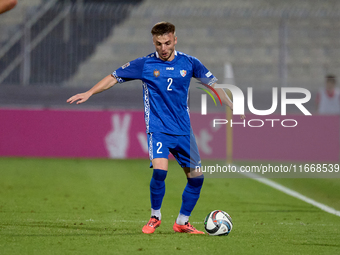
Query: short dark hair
x=331, y=78
x=162, y=28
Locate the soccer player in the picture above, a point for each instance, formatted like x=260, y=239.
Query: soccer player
x=166, y=76
x=328, y=97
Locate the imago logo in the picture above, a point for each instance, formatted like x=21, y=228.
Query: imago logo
x=238, y=103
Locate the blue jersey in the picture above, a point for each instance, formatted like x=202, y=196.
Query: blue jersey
x=165, y=89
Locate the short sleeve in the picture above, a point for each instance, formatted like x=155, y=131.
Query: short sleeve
x=130, y=71
x=202, y=73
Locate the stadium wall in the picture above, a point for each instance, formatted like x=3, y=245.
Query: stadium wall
x=121, y=134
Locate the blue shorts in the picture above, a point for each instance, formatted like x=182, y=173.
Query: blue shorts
x=182, y=147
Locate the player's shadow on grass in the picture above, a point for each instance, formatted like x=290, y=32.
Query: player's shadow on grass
x=296, y=208
x=45, y=226
x=274, y=204
x=319, y=244
x=283, y=211
x=81, y=228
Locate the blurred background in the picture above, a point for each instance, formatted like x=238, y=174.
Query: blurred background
x=50, y=50
x=51, y=47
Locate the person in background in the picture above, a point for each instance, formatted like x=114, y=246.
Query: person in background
x=6, y=5
x=328, y=97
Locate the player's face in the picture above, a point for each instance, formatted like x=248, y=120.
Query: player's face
x=165, y=46
x=330, y=85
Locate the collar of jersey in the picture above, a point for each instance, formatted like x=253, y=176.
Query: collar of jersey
x=172, y=61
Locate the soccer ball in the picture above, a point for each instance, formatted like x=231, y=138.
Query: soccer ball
x=218, y=223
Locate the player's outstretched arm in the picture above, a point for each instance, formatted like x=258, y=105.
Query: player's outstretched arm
x=225, y=99
x=104, y=84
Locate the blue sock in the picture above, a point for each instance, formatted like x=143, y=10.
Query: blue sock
x=157, y=188
x=191, y=194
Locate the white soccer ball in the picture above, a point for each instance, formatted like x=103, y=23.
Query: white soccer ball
x=218, y=223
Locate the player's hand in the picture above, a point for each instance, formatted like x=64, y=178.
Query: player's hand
x=79, y=98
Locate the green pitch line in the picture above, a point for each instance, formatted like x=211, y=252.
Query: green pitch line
x=74, y=206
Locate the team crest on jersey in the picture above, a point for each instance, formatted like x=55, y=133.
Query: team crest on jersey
x=156, y=73
x=183, y=73
x=126, y=65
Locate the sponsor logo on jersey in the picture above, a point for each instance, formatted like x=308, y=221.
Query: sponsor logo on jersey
x=183, y=73
x=170, y=68
x=156, y=73
x=126, y=65
x=208, y=74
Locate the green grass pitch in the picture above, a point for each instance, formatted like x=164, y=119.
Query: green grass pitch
x=81, y=206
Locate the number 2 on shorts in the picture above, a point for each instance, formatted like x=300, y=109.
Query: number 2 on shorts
x=159, y=144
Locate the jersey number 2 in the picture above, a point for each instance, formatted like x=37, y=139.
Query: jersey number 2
x=159, y=148
x=170, y=82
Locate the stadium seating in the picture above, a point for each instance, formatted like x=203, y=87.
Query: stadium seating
x=244, y=33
